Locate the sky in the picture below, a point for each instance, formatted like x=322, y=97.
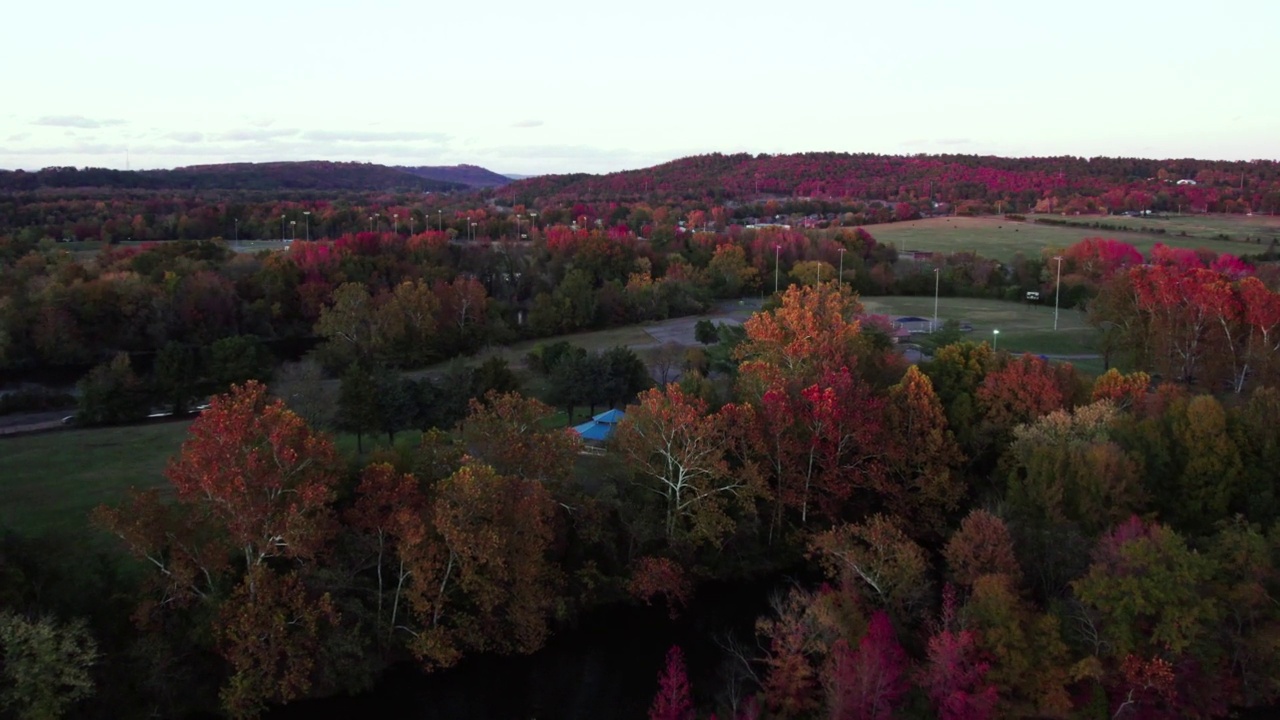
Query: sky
x=586, y=86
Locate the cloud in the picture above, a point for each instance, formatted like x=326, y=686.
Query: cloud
x=954, y=141
x=19, y=137
x=75, y=121
x=526, y=124
x=373, y=136
x=185, y=137
x=262, y=122
x=249, y=135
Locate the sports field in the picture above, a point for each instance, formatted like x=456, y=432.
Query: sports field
x=1001, y=239
x=1023, y=328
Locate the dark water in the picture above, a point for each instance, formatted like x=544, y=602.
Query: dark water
x=606, y=667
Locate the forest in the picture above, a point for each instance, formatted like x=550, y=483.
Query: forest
x=980, y=535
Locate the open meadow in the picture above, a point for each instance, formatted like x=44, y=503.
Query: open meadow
x=49, y=482
x=1001, y=239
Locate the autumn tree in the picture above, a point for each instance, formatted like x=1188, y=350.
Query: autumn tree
x=924, y=458
x=1065, y=467
x=674, y=700
x=879, y=558
x=254, y=469
x=509, y=432
x=479, y=576
x=1029, y=662
x=815, y=330
x=270, y=632
x=982, y=546
x=867, y=683
x=954, y=676
x=678, y=451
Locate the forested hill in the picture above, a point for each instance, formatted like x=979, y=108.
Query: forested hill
x=893, y=177
x=470, y=175
x=310, y=175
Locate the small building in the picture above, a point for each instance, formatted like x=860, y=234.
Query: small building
x=597, y=431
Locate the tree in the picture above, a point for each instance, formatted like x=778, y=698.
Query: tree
x=879, y=558
x=358, y=404
x=814, y=331
x=704, y=331
x=673, y=700
x=1212, y=472
x=509, y=433
x=111, y=394
x=351, y=326
x=177, y=369
x=269, y=631
x=1150, y=590
x=625, y=374
x=870, y=682
x=255, y=470
x=407, y=318
x=480, y=578
x=46, y=666
x=494, y=375
x=1029, y=661
x=678, y=451
x=954, y=676
x=924, y=456
x=982, y=546
x=1021, y=391
x=730, y=275
x=238, y=359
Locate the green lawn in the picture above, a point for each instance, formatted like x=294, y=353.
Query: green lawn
x=1023, y=328
x=1001, y=239
x=50, y=481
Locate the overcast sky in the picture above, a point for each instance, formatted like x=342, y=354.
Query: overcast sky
x=583, y=85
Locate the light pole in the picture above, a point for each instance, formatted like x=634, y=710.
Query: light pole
x=307, y=214
x=370, y=223
x=995, y=340
x=840, y=275
x=473, y=232
x=533, y=221
x=937, y=277
x=282, y=227
x=410, y=224
x=395, y=223
x=237, y=230
x=293, y=230
x=1057, y=291
x=441, y=214
x=376, y=222
x=517, y=227
x=777, y=254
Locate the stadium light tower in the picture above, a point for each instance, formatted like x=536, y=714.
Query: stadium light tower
x=1057, y=291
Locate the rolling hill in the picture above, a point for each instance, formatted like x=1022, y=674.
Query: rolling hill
x=309, y=175
x=469, y=175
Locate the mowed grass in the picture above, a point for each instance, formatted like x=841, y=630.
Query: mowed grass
x=49, y=482
x=1002, y=239
x=1023, y=327
x=1200, y=227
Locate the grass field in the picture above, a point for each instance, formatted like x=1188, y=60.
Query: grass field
x=1001, y=239
x=1023, y=328
x=49, y=482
